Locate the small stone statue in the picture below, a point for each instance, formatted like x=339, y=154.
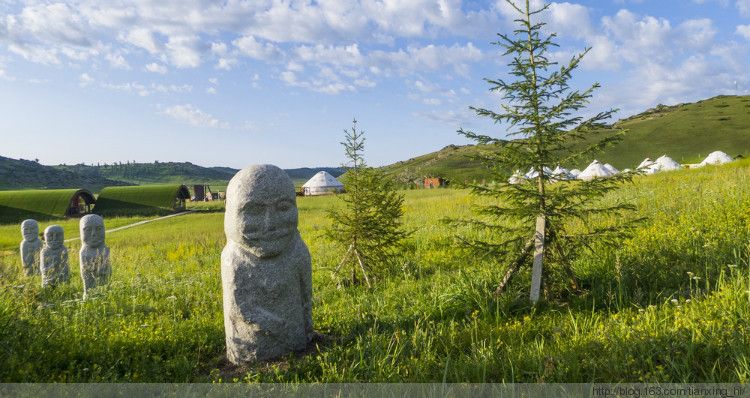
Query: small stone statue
x=31, y=245
x=266, y=270
x=94, y=254
x=54, y=258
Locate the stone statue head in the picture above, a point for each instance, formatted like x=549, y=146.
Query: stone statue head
x=54, y=237
x=261, y=210
x=30, y=230
x=92, y=230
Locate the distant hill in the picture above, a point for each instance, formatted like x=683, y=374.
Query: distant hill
x=25, y=174
x=184, y=173
x=155, y=173
x=685, y=132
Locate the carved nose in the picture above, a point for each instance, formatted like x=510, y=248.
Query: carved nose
x=268, y=225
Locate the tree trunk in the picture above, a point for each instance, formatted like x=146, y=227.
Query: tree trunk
x=536, y=270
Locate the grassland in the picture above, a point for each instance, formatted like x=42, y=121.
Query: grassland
x=685, y=132
x=37, y=204
x=141, y=200
x=668, y=304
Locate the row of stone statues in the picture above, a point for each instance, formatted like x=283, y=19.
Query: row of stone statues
x=266, y=270
x=50, y=258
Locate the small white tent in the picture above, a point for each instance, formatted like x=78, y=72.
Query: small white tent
x=534, y=174
x=716, y=158
x=516, y=178
x=561, y=174
x=575, y=173
x=667, y=164
x=594, y=170
x=612, y=170
x=322, y=183
x=648, y=166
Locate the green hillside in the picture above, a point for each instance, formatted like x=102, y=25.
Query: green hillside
x=29, y=174
x=155, y=173
x=178, y=173
x=685, y=132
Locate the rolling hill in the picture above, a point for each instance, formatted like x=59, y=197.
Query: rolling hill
x=26, y=174
x=685, y=132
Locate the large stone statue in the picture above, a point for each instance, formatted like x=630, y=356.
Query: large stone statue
x=54, y=258
x=31, y=245
x=94, y=254
x=266, y=271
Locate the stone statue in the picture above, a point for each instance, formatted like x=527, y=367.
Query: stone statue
x=266, y=270
x=31, y=245
x=54, y=258
x=94, y=254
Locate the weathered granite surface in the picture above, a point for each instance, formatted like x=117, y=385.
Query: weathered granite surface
x=31, y=247
x=54, y=258
x=266, y=268
x=94, y=254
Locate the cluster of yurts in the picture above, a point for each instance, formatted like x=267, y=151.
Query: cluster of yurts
x=598, y=170
x=50, y=257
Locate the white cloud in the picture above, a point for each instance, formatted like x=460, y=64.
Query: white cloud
x=116, y=60
x=249, y=46
x=183, y=51
x=85, y=80
x=193, y=116
x=145, y=90
x=156, y=68
x=226, y=63
x=143, y=38
x=744, y=7
x=744, y=31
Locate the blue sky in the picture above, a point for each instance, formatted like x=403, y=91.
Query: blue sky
x=233, y=83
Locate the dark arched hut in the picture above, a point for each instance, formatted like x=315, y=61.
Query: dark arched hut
x=142, y=200
x=43, y=204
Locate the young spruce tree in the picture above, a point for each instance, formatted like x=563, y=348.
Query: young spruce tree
x=545, y=130
x=369, y=225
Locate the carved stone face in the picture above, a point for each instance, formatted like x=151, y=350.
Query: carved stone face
x=54, y=237
x=261, y=211
x=92, y=230
x=30, y=230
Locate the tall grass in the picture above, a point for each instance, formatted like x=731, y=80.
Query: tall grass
x=669, y=304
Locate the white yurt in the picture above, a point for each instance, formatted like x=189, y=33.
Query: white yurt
x=667, y=164
x=561, y=174
x=648, y=166
x=612, y=170
x=533, y=173
x=322, y=183
x=716, y=158
x=516, y=178
x=594, y=170
x=575, y=173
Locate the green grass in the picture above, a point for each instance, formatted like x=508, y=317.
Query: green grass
x=685, y=132
x=139, y=200
x=668, y=304
x=10, y=234
x=38, y=204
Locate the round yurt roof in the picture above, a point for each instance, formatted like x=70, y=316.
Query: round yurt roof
x=612, y=170
x=323, y=179
x=717, y=157
x=646, y=163
x=666, y=164
x=594, y=170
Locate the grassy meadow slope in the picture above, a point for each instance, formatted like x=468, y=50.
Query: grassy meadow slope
x=685, y=132
x=669, y=304
x=28, y=174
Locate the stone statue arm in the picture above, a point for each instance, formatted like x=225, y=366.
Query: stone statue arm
x=105, y=264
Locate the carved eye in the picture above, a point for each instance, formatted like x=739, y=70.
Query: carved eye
x=254, y=209
x=283, y=205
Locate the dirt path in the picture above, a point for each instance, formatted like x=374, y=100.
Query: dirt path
x=137, y=224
